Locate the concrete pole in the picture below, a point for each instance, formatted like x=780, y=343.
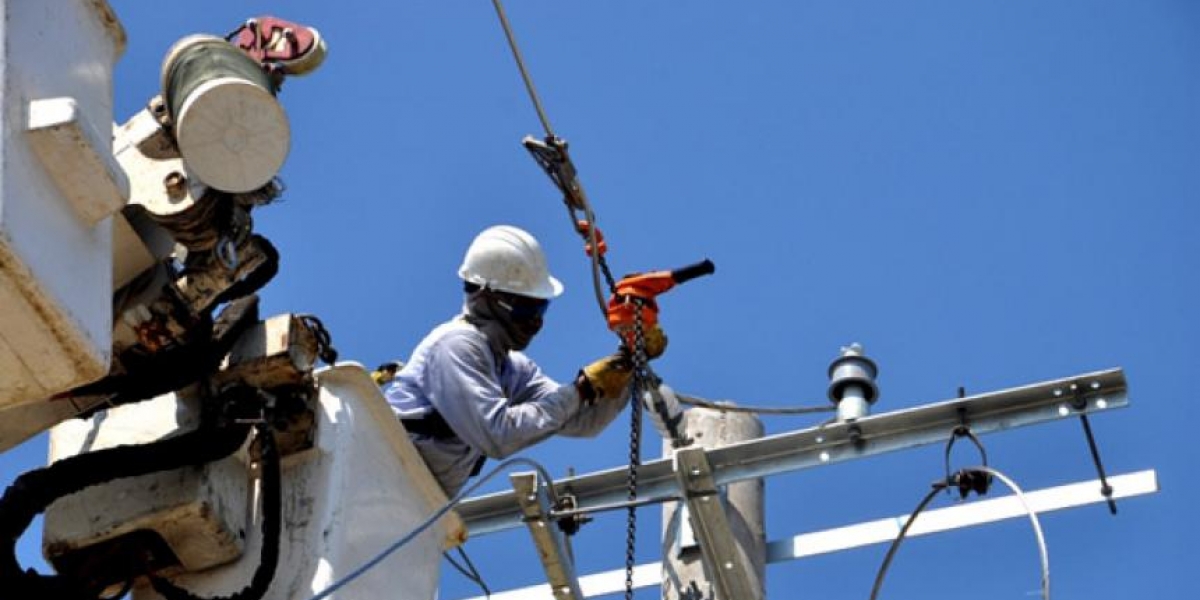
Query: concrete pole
x=684, y=576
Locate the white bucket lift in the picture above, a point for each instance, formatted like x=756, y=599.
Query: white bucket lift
x=360, y=487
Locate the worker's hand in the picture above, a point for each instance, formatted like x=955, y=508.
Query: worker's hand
x=604, y=378
x=656, y=343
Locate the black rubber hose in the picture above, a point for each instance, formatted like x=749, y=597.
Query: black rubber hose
x=34, y=491
x=272, y=508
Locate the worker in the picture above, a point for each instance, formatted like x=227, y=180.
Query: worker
x=469, y=393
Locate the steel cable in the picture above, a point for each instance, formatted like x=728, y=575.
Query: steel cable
x=516, y=52
x=571, y=189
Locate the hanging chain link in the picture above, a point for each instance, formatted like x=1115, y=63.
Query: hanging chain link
x=641, y=379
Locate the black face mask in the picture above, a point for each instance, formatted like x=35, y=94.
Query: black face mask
x=496, y=314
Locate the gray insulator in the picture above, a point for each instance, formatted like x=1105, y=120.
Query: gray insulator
x=852, y=383
x=853, y=404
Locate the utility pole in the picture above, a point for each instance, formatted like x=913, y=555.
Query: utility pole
x=690, y=570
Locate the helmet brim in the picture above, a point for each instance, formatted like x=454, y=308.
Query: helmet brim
x=550, y=289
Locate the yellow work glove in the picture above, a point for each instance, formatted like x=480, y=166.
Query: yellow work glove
x=386, y=372
x=604, y=378
x=656, y=343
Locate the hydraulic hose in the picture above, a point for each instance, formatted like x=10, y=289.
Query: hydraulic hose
x=34, y=491
x=272, y=520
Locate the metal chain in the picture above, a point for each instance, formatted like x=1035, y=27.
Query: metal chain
x=641, y=378
x=608, y=276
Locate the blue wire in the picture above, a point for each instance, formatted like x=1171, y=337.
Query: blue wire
x=370, y=564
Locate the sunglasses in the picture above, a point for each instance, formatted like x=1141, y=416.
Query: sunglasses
x=521, y=308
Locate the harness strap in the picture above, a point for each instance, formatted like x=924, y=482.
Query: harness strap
x=435, y=426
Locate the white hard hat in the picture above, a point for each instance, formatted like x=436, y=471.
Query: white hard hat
x=508, y=259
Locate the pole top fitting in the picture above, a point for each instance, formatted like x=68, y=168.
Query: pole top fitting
x=852, y=375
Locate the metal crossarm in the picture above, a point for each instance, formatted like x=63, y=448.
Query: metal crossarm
x=835, y=443
x=881, y=531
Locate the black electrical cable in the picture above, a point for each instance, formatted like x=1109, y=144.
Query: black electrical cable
x=147, y=377
x=271, y=495
x=891, y=553
x=950, y=482
x=437, y=515
x=254, y=280
x=325, y=350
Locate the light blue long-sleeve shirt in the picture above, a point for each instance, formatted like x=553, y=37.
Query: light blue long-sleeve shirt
x=496, y=404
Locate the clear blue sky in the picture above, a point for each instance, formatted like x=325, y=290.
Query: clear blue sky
x=985, y=194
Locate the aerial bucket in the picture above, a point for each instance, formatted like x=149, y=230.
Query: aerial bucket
x=232, y=132
x=359, y=486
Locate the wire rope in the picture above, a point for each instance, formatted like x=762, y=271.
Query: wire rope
x=516, y=52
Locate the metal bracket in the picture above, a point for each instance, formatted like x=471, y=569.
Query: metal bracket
x=880, y=531
x=552, y=545
x=1079, y=401
x=831, y=444
x=733, y=577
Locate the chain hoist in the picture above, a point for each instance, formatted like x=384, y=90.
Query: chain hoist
x=640, y=368
x=631, y=308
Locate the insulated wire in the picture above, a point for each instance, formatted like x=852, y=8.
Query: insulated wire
x=762, y=410
x=891, y=553
x=469, y=571
x=939, y=486
x=1034, y=521
x=441, y=512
